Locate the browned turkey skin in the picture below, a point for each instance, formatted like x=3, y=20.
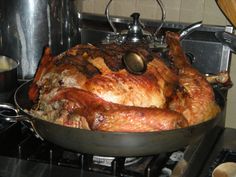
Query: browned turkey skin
x=195, y=98
x=88, y=87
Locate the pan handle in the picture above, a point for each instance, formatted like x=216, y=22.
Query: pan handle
x=189, y=29
x=10, y=113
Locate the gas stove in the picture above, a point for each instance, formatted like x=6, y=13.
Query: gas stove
x=23, y=154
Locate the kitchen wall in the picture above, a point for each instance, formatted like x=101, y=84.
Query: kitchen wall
x=176, y=10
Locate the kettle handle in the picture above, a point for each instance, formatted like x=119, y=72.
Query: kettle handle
x=163, y=16
x=108, y=17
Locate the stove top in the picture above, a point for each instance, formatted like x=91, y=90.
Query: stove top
x=23, y=168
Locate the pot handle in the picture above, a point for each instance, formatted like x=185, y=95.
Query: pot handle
x=6, y=112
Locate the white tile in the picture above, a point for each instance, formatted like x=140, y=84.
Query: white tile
x=100, y=6
x=148, y=9
x=212, y=14
x=231, y=101
x=88, y=6
x=172, y=10
x=191, y=10
x=122, y=7
x=151, y=10
x=78, y=5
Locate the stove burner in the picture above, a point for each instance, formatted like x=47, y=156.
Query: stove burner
x=107, y=161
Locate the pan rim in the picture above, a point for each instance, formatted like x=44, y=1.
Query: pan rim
x=117, y=133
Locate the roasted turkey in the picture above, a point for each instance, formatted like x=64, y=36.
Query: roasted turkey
x=89, y=87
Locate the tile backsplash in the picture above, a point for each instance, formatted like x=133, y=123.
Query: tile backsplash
x=178, y=11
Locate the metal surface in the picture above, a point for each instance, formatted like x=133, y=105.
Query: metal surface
x=227, y=39
x=189, y=29
x=226, y=52
x=23, y=168
x=163, y=16
x=113, y=143
x=28, y=26
x=8, y=73
x=135, y=63
x=202, y=43
x=111, y=23
x=135, y=32
x=8, y=77
x=108, y=17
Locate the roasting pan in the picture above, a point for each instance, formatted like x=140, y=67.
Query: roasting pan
x=111, y=143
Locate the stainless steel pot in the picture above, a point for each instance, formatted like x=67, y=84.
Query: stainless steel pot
x=27, y=26
x=8, y=77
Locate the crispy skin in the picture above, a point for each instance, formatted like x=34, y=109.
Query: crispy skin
x=81, y=70
x=87, y=87
x=127, y=89
x=44, y=65
x=195, y=97
x=107, y=116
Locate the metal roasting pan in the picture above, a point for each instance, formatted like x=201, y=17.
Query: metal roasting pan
x=112, y=143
